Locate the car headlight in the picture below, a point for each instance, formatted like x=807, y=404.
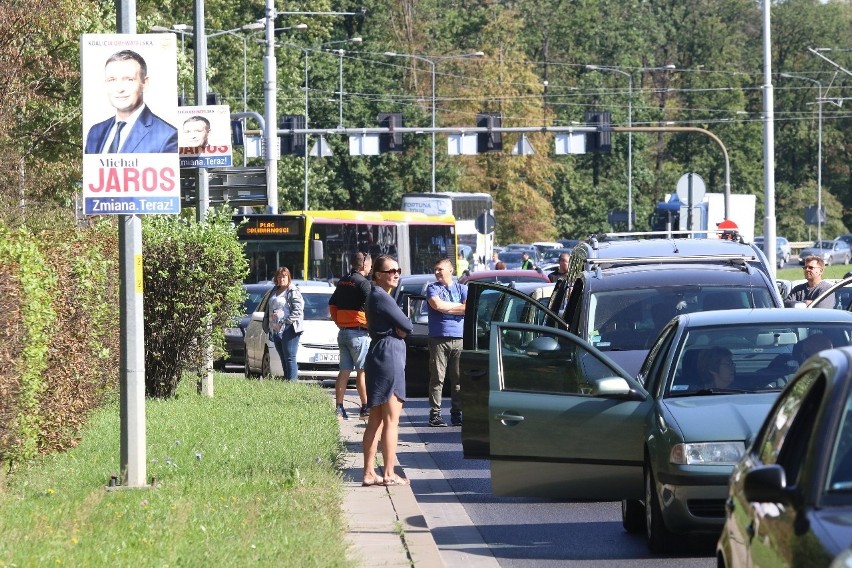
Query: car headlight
x=707, y=453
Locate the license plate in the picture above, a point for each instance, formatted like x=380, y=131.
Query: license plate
x=327, y=358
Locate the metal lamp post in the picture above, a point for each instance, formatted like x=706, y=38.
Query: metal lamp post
x=340, y=53
x=819, y=147
x=432, y=61
x=248, y=28
x=629, y=137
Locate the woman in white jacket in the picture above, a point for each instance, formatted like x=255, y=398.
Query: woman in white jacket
x=284, y=320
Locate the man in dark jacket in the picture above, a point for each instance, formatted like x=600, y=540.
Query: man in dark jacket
x=562, y=269
x=347, y=310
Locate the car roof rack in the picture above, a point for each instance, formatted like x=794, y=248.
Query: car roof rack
x=673, y=234
x=733, y=259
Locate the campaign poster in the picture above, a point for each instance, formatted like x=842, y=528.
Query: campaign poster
x=130, y=133
x=204, y=136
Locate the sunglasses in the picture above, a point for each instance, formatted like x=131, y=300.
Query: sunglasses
x=391, y=271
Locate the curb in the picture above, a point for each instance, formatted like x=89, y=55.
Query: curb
x=386, y=526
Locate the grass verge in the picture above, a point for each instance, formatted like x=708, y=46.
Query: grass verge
x=247, y=478
x=796, y=273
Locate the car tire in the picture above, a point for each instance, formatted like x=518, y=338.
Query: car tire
x=247, y=371
x=659, y=538
x=633, y=516
x=828, y=261
x=265, y=366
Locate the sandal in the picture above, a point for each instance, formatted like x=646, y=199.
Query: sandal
x=396, y=481
x=373, y=482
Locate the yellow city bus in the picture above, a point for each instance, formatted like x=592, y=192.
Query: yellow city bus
x=318, y=245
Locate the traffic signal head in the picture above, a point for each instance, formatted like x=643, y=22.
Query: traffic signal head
x=292, y=143
x=391, y=141
x=599, y=141
x=489, y=141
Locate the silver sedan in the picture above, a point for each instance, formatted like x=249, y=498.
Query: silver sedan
x=831, y=252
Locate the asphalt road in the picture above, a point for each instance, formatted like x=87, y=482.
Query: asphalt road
x=474, y=528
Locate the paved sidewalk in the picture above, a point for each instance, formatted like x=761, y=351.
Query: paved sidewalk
x=386, y=525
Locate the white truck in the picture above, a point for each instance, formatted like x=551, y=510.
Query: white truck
x=673, y=214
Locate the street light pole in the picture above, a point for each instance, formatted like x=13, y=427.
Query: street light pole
x=819, y=147
x=431, y=61
x=254, y=26
x=629, y=137
x=340, y=53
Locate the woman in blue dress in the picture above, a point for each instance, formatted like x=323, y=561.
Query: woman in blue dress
x=385, y=372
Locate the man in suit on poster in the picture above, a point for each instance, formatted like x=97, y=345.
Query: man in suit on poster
x=134, y=128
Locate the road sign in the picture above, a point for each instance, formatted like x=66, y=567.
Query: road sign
x=484, y=223
x=698, y=188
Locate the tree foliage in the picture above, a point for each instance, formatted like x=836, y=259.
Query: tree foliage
x=192, y=281
x=534, y=71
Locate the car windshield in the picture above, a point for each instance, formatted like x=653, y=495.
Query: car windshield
x=724, y=359
x=513, y=257
x=824, y=244
x=316, y=306
x=625, y=320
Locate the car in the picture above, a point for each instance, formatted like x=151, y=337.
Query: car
x=505, y=276
x=831, y=252
x=783, y=252
x=842, y=290
x=551, y=256
x=514, y=258
x=661, y=443
x=789, y=499
x=619, y=293
x=318, y=355
x=410, y=295
x=235, y=346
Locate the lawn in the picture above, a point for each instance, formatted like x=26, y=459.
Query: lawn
x=246, y=478
x=837, y=271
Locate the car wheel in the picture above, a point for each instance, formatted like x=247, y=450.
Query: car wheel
x=828, y=261
x=265, y=367
x=632, y=516
x=658, y=536
x=781, y=262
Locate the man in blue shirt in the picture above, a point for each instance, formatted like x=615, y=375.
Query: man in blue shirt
x=446, y=300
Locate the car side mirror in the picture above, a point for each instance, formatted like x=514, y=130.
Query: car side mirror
x=615, y=387
x=767, y=484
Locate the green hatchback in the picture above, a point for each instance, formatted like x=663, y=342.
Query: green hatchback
x=558, y=419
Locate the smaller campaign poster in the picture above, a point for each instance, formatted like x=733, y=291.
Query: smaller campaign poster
x=130, y=133
x=205, y=136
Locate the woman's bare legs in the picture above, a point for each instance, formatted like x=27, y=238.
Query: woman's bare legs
x=372, y=433
x=391, y=411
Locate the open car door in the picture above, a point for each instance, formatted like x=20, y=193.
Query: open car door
x=564, y=420
x=487, y=303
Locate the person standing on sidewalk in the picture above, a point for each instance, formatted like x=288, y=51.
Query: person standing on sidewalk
x=385, y=369
x=284, y=320
x=446, y=300
x=347, y=311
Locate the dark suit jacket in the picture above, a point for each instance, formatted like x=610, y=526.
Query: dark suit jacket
x=149, y=135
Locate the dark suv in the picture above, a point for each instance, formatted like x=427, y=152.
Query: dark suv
x=619, y=294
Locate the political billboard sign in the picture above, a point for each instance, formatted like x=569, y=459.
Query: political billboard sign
x=205, y=136
x=130, y=137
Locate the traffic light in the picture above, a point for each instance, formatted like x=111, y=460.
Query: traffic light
x=391, y=141
x=599, y=141
x=489, y=141
x=292, y=143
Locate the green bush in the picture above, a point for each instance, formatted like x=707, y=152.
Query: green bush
x=59, y=328
x=193, y=275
